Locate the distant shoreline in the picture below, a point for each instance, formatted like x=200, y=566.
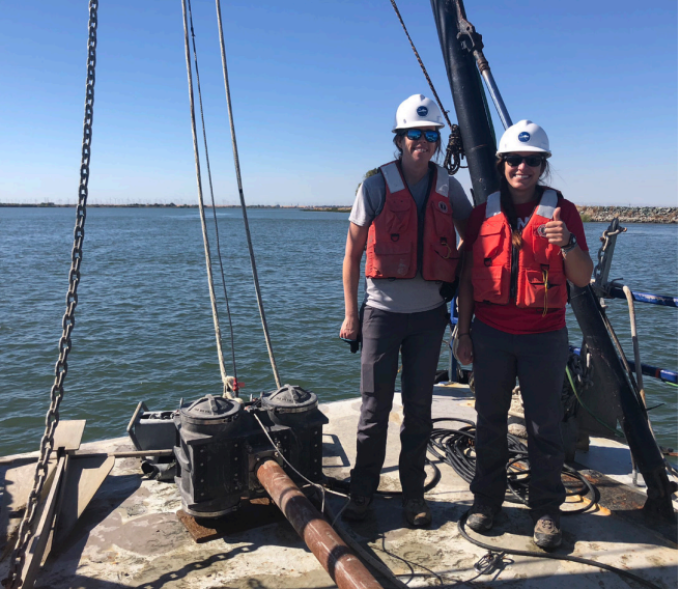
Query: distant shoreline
x=668, y=215
x=598, y=214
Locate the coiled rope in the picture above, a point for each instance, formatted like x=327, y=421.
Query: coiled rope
x=237, y=166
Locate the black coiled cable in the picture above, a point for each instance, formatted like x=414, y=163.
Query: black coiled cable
x=456, y=447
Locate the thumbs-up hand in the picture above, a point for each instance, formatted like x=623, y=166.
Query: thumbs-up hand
x=556, y=231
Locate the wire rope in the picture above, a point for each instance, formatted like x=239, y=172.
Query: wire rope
x=212, y=198
x=454, y=149
x=422, y=65
x=239, y=181
x=201, y=206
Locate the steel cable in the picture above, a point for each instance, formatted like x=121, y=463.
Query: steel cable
x=212, y=198
x=454, y=148
x=201, y=206
x=239, y=181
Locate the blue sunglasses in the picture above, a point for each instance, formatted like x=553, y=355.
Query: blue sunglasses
x=416, y=134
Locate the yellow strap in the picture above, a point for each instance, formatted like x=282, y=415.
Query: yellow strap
x=545, y=298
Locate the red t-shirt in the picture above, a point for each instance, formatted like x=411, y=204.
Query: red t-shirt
x=510, y=318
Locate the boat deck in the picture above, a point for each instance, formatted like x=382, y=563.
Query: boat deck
x=129, y=535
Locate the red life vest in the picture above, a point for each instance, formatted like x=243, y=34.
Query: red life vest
x=541, y=281
x=393, y=238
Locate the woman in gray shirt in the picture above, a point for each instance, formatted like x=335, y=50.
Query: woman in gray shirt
x=406, y=218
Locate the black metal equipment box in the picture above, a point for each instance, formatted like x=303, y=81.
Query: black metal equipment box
x=221, y=442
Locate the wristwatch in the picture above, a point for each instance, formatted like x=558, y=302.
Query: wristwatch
x=571, y=244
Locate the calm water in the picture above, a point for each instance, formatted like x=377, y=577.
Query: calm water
x=144, y=327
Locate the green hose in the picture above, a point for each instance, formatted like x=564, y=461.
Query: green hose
x=617, y=433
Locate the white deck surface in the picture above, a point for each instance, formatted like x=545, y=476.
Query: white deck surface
x=130, y=536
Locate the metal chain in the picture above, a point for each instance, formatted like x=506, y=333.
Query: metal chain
x=68, y=322
x=602, y=252
x=454, y=149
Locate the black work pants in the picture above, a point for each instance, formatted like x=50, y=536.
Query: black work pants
x=539, y=361
x=419, y=336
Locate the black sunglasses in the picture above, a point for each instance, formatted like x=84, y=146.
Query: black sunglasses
x=532, y=160
x=431, y=136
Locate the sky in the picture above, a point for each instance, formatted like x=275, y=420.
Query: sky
x=315, y=86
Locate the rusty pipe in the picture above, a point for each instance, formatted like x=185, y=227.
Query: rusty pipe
x=346, y=570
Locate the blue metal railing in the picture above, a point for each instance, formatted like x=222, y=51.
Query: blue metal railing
x=648, y=370
x=616, y=292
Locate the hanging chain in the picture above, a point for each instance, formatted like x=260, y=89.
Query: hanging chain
x=602, y=252
x=454, y=149
x=68, y=322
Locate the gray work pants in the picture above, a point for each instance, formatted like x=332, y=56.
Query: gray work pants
x=419, y=336
x=538, y=361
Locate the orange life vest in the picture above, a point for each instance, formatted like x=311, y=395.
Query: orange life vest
x=541, y=281
x=393, y=238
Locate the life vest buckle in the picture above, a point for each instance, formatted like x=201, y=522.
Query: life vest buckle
x=394, y=237
x=442, y=241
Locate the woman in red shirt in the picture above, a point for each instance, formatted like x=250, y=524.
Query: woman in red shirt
x=521, y=246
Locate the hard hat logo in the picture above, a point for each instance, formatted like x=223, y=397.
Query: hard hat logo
x=422, y=111
x=524, y=137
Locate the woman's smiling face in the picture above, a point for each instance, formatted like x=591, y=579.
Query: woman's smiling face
x=419, y=150
x=523, y=178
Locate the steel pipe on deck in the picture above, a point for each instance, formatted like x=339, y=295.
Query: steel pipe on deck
x=346, y=570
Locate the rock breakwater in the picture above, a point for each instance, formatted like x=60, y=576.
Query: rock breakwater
x=629, y=214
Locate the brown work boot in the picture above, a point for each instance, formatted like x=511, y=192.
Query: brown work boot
x=481, y=517
x=547, y=533
x=417, y=513
x=357, y=509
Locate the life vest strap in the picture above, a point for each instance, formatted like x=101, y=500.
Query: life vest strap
x=548, y=204
x=493, y=205
x=392, y=178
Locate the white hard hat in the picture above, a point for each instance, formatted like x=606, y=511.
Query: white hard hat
x=418, y=111
x=524, y=136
